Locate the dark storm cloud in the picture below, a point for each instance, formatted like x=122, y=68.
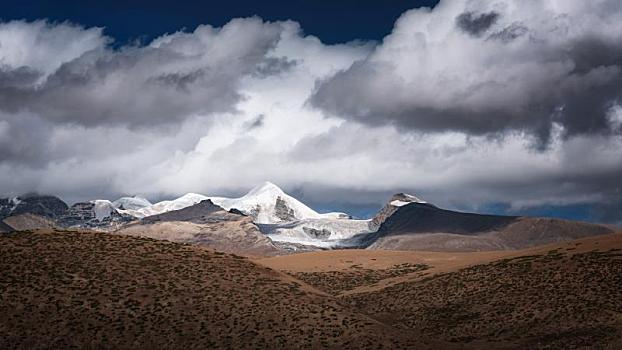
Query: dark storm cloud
x=18, y=77
x=476, y=24
x=24, y=140
x=518, y=78
x=346, y=94
x=175, y=77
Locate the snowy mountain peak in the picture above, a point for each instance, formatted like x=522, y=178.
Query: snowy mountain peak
x=266, y=203
x=103, y=208
x=266, y=188
x=184, y=201
x=191, y=197
x=131, y=203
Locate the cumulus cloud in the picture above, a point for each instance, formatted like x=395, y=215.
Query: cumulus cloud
x=449, y=106
x=486, y=67
x=174, y=77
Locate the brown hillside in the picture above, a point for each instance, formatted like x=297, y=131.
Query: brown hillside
x=28, y=222
x=558, y=296
x=239, y=236
x=66, y=290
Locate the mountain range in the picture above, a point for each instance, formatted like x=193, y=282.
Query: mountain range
x=267, y=221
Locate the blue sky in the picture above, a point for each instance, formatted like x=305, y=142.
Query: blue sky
x=332, y=21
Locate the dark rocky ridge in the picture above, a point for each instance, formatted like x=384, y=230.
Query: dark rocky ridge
x=316, y=233
x=200, y=213
x=389, y=209
x=421, y=226
x=282, y=211
x=426, y=218
x=83, y=215
x=42, y=205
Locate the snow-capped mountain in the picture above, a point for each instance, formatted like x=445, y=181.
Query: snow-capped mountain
x=103, y=208
x=268, y=204
x=323, y=232
x=280, y=216
x=131, y=203
x=187, y=200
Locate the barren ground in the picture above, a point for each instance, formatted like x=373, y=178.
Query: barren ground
x=560, y=296
x=63, y=289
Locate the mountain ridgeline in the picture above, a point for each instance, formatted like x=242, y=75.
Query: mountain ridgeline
x=422, y=226
x=267, y=221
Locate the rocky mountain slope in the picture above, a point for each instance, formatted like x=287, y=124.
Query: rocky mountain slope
x=26, y=221
x=205, y=224
x=46, y=206
x=96, y=214
x=397, y=201
x=421, y=226
x=200, y=213
x=41, y=211
x=320, y=233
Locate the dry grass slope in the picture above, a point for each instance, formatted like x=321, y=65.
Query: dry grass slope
x=336, y=282
x=64, y=290
x=559, y=296
x=555, y=300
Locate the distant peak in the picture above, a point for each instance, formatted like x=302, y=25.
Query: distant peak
x=192, y=195
x=139, y=197
x=401, y=199
x=266, y=187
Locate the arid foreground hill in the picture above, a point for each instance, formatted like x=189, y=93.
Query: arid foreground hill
x=560, y=296
x=64, y=290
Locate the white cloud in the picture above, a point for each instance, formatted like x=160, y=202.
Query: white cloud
x=44, y=46
x=488, y=66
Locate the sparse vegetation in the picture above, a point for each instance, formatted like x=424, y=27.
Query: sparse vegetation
x=550, y=301
x=68, y=290
x=63, y=290
x=336, y=282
